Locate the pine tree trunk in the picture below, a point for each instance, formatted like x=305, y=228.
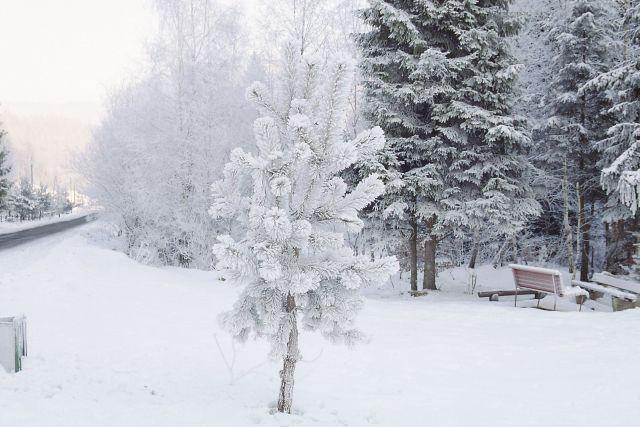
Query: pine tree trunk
x=631, y=228
x=413, y=254
x=285, y=399
x=474, y=254
x=430, y=244
x=567, y=226
x=586, y=242
x=607, y=243
x=582, y=192
x=497, y=260
x=615, y=246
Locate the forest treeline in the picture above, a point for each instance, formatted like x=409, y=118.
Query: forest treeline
x=510, y=127
x=21, y=200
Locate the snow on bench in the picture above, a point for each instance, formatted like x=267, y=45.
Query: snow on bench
x=609, y=279
x=625, y=294
x=543, y=280
x=617, y=293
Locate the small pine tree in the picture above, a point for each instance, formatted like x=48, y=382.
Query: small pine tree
x=23, y=200
x=292, y=258
x=44, y=201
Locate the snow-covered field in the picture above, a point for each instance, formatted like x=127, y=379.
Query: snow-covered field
x=115, y=343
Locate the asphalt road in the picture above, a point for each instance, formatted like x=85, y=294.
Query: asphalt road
x=10, y=240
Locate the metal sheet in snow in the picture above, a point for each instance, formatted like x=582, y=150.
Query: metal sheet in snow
x=13, y=342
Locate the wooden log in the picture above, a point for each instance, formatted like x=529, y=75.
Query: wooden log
x=418, y=293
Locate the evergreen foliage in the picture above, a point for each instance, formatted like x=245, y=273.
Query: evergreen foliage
x=5, y=169
x=439, y=80
x=576, y=121
x=291, y=256
x=620, y=159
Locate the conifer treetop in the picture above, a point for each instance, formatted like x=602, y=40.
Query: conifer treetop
x=297, y=209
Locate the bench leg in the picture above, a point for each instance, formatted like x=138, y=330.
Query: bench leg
x=555, y=300
x=515, y=299
x=538, y=305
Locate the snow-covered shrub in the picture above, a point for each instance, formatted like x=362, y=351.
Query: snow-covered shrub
x=292, y=259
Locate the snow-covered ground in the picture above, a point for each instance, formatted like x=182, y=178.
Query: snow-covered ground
x=115, y=343
x=11, y=227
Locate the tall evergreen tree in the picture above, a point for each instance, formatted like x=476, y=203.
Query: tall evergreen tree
x=532, y=49
x=619, y=158
x=440, y=80
x=5, y=169
x=576, y=121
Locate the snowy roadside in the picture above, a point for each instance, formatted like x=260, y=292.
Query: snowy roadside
x=12, y=227
x=113, y=342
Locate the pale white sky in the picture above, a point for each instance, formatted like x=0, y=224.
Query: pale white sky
x=58, y=61
x=65, y=52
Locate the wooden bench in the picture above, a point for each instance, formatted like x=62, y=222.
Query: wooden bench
x=624, y=293
x=537, y=279
x=543, y=280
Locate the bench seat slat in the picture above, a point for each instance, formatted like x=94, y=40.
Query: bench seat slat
x=538, y=288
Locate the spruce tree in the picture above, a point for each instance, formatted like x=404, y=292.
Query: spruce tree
x=440, y=81
x=618, y=149
x=576, y=121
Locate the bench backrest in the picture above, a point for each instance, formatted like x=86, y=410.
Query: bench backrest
x=536, y=278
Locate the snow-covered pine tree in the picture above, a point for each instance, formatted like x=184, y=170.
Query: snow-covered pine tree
x=5, y=169
x=439, y=80
x=292, y=258
x=575, y=122
x=533, y=49
x=23, y=200
x=43, y=201
x=619, y=159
